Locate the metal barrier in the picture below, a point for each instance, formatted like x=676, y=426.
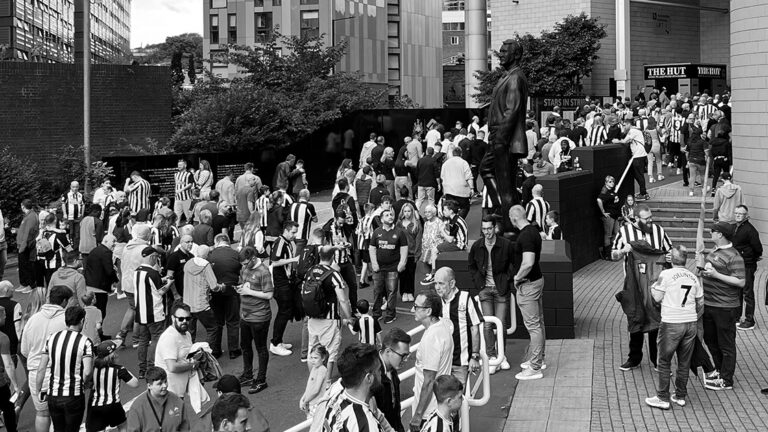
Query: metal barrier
x=471, y=390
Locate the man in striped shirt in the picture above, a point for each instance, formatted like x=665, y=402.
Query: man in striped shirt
x=465, y=316
x=283, y=261
x=359, y=369
x=138, y=191
x=70, y=356
x=449, y=393
x=303, y=213
x=73, y=208
x=150, y=292
x=338, y=235
x=536, y=209
x=184, y=182
x=326, y=330
x=642, y=228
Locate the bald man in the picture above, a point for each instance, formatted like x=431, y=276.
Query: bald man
x=99, y=272
x=465, y=316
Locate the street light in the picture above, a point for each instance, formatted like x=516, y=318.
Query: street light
x=87, y=89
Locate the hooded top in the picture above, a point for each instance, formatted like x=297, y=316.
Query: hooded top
x=131, y=260
x=198, y=281
x=72, y=279
x=728, y=196
x=41, y=325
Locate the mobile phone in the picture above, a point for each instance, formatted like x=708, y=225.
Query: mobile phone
x=699, y=268
x=43, y=396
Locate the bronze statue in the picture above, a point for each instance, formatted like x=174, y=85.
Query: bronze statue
x=506, y=127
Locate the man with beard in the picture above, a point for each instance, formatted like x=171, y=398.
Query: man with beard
x=173, y=347
x=642, y=228
x=157, y=409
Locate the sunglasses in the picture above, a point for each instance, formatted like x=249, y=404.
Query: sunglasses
x=182, y=319
x=415, y=306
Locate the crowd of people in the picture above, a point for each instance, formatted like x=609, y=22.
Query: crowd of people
x=226, y=254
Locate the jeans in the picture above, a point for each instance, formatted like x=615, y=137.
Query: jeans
x=720, y=337
x=407, y=279
x=181, y=207
x=493, y=304
x=226, y=310
x=208, y=320
x=675, y=338
x=638, y=168
x=697, y=171
x=3, y=258
x=385, y=286
x=636, y=346
x=424, y=194
x=682, y=163
x=27, y=269
x=67, y=412
x=654, y=158
x=530, y=299
x=73, y=228
x=284, y=298
x=347, y=271
x=255, y=334
x=748, y=293
x=144, y=334
x=719, y=166
x=610, y=229
x=9, y=414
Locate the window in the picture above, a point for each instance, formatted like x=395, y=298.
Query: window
x=310, y=23
x=258, y=3
x=232, y=23
x=393, y=9
x=453, y=5
x=214, y=29
x=308, y=2
x=393, y=66
x=454, y=26
x=454, y=40
x=393, y=31
x=218, y=4
x=277, y=2
x=263, y=26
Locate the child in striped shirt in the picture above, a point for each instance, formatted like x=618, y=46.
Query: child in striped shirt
x=449, y=394
x=366, y=327
x=363, y=233
x=628, y=209
x=106, y=409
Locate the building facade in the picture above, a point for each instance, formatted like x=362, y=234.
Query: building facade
x=394, y=44
x=51, y=31
x=454, y=21
x=640, y=32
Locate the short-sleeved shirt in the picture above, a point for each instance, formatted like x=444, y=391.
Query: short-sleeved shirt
x=243, y=196
x=282, y=250
x=106, y=384
x=388, y=244
x=637, y=143
x=611, y=203
x=173, y=345
x=254, y=309
x=176, y=262
x=435, y=353
x=681, y=289
x=727, y=261
x=66, y=351
x=529, y=240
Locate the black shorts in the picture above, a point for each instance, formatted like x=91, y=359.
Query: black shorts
x=365, y=256
x=102, y=417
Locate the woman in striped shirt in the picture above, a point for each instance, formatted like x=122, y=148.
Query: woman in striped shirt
x=204, y=179
x=597, y=134
x=253, y=234
x=363, y=233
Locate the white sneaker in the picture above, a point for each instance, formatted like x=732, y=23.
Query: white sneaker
x=527, y=365
x=286, y=346
x=505, y=365
x=679, y=402
x=651, y=180
x=661, y=177
x=384, y=305
x=529, y=374
x=679, y=171
x=279, y=350
x=690, y=193
x=492, y=369
x=657, y=403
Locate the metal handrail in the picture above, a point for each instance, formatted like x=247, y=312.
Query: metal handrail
x=470, y=392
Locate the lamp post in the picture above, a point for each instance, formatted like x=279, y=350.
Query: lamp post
x=86, y=91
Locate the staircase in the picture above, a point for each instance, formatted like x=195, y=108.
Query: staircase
x=679, y=216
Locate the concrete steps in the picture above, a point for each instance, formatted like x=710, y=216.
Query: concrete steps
x=679, y=216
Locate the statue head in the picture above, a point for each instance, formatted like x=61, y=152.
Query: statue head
x=511, y=53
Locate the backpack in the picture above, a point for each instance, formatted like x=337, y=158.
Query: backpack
x=312, y=292
x=648, y=141
x=308, y=259
x=43, y=245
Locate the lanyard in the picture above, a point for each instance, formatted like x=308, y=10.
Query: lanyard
x=154, y=411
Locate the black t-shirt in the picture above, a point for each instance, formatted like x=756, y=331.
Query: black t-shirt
x=219, y=223
x=376, y=194
x=578, y=135
x=529, y=240
x=478, y=148
x=388, y=244
x=176, y=261
x=225, y=262
x=387, y=168
x=611, y=204
x=376, y=154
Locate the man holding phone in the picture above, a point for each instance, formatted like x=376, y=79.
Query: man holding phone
x=150, y=291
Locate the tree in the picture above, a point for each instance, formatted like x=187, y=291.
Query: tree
x=556, y=62
x=177, y=74
x=277, y=100
x=191, y=73
x=187, y=43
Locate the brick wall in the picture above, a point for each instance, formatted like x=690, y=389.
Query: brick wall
x=42, y=108
x=749, y=81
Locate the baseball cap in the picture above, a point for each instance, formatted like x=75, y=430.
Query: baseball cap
x=149, y=250
x=723, y=228
x=105, y=348
x=228, y=384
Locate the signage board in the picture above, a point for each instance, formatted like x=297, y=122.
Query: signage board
x=653, y=72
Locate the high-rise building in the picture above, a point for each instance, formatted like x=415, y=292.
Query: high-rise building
x=395, y=44
x=51, y=30
x=453, y=31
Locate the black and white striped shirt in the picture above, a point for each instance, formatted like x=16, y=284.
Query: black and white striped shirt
x=597, y=135
x=138, y=195
x=657, y=238
x=536, y=210
x=354, y=415
x=261, y=206
x=66, y=350
x=457, y=228
x=675, y=134
x=183, y=179
x=106, y=384
x=72, y=206
x=59, y=244
x=303, y=213
x=339, y=237
x=464, y=313
x=282, y=249
x=287, y=200
x=150, y=303
x=436, y=423
x=367, y=328
x=331, y=283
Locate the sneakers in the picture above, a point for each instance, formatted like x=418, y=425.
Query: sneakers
x=384, y=305
x=679, y=171
x=527, y=365
x=745, y=325
x=491, y=368
x=407, y=297
x=650, y=179
x=429, y=279
x=286, y=346
x=690, y=193
x=245, y=379
x=717, y=384
x=661, y=177
x=655, y=402
x=628, y=365
x=303, y=359
x=529, y=374
x=675, y=400
x=279, y=350
x=391, y=320
x=641, y=197
x=712, y=376
x=257, y=387
x=505, y=365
